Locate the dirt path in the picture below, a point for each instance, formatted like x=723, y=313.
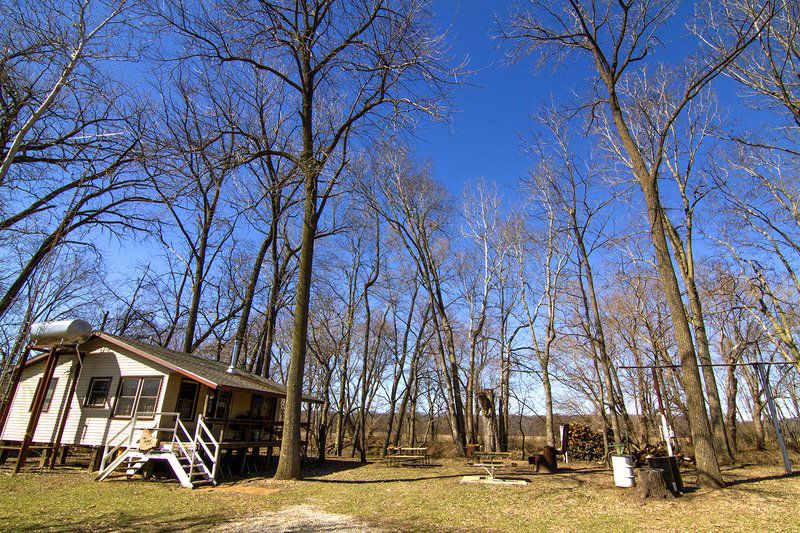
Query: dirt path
x=296, y=519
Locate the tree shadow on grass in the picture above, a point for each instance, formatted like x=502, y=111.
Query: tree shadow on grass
x=585, y=470
x=745, y=481
x=381, y=481
x=330, y=466
x=159, y=522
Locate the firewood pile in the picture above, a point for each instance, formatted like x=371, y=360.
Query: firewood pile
x=585, y=444
x=640, y=455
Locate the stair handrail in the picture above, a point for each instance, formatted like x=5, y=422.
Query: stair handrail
x=179, y=442
x=132, y=425
x=197, y=460
x=202, y=431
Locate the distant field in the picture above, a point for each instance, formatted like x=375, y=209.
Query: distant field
x=580, y=497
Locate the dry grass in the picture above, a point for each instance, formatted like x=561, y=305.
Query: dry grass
x=581, y=497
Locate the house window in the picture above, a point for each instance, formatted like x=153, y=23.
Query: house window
x=261, y=407
x=48, y=395
x=98, y=392
x=223, y=408
x=148, y=395
x=137, y=395
x=257, y=406
x=187, y=399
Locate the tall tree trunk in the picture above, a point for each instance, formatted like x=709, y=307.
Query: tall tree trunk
x=365, y=360
x=198, y=280
x=644, y=398
x=452, y=381
x=594, y=330
x=322, y=422
x=400, y=369
x=758, y=407
x=549, y=429
x=684, y=255
x=731, y=392
x=469, y=393
x=407, y=398
x=708, y=471
x=505, y=393
x=289, y=460
x=247, y=303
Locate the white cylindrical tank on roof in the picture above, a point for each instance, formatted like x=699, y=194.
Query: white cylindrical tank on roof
x=60, y=332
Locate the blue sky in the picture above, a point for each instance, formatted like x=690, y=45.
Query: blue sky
x=482, y=138
x=494, y=108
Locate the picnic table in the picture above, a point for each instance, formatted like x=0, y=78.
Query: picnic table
x=491, y=461
x=414, y=456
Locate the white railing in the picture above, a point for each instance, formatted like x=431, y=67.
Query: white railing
x=176, y=440
x=131, y=427
x=116, y=448
x=200, y=435
x=182, y=440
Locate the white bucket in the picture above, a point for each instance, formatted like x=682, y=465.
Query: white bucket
x=623, y=470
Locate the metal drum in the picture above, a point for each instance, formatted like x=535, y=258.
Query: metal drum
x=60, y=332
x=623, y=470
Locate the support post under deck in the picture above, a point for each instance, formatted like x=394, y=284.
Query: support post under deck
x=36, y=408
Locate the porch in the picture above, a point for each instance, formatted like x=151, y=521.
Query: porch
x=205, y=450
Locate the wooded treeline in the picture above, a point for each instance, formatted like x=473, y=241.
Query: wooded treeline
x=235, y=180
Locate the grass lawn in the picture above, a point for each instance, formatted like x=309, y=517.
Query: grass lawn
x=580, y=497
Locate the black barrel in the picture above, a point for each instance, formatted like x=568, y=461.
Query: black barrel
x=672, y=475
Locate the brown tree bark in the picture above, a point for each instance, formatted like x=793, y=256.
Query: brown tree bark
x=486, y=401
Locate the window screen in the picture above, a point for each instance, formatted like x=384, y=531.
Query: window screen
x=148, y=395
x=187, y=399
x=137, y=394
x=48, y=395
x=98, y=392
x=126, y=398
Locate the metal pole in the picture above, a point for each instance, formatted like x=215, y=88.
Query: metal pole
x=62, y=424
x=664, y=426
x=773, y=414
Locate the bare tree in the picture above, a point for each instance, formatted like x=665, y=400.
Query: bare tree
x=617, y=37
x=417, y=211
x=343, y=65
x=195, y=163
x=68, y=133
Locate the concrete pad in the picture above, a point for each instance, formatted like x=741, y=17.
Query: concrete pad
x=486, y=480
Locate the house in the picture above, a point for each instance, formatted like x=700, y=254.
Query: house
x=119, y=396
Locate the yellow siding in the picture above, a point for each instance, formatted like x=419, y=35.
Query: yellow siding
x=241, y=404
x=20, y=415
x=86, y=426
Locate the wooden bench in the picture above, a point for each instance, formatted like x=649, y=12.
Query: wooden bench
x=409, y=456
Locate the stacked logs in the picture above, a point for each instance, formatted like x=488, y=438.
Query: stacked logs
x=585, y=444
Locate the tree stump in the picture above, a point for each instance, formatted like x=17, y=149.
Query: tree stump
x=650, y=484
